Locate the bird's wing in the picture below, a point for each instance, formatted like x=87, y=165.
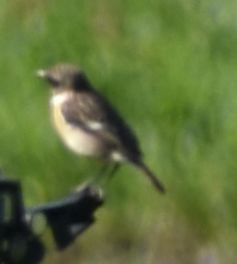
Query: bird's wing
x=92, y=112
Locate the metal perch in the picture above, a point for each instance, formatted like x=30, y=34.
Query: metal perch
x=19, y=226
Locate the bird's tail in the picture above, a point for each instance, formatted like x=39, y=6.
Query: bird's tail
x=154, y=180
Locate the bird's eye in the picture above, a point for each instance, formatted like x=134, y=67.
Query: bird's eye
x=53, y=82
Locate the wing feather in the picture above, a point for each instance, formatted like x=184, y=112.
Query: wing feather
x=95, y=114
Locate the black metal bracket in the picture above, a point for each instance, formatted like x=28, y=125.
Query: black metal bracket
x=19, y=226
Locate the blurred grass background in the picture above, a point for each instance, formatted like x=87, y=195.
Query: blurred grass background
x=170, y=67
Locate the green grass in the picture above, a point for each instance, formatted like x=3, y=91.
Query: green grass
x=170, y=67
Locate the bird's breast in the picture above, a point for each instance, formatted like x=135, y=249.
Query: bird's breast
x=75, y=137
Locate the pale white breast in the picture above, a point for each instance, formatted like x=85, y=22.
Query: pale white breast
x=59, y=99
x=74, y=137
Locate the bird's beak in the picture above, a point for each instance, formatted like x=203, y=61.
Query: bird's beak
x=41, y=73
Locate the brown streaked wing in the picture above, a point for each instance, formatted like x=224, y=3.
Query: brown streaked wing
x=85, y=107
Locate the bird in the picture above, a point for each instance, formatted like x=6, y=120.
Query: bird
x=88, y=124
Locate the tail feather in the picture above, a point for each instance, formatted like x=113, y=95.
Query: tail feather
x=154, y=180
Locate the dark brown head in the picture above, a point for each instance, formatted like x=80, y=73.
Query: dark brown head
x=65, y=76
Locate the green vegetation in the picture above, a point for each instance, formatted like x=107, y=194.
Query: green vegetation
x=170, y=67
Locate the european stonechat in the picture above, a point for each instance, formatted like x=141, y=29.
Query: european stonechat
x=88, y=124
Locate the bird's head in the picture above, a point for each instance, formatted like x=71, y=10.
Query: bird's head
x=64, y=76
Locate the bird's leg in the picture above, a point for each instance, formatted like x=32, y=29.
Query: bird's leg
x=105, y=174
x=96, y=179
x=104, y=170
x=112, y=172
